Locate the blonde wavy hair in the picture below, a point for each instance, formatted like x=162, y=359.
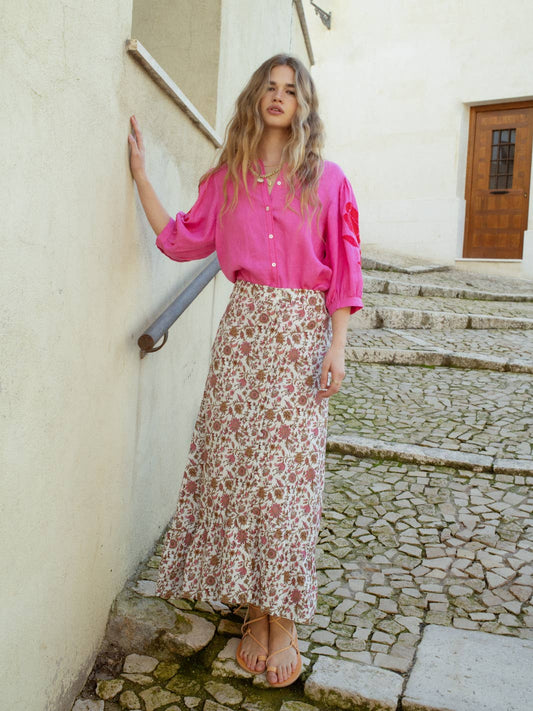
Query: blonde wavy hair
x=301, y=155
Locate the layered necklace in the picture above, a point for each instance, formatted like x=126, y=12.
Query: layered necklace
x=261, y=177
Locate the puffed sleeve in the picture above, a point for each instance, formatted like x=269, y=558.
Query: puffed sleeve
x=343, y=253
x=192, y=234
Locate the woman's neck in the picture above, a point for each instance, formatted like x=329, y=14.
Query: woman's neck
x=271, y=146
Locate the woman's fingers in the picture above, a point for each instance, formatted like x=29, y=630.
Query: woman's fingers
x=324, y=373
x=137, y=131
x=331, y=372
x=137, y=158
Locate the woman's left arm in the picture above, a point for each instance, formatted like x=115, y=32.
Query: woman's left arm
x=333, y=362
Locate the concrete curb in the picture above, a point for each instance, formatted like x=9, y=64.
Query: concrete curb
x=437, y=357
x=366, y=448
x=400, y=318
x=378, y=285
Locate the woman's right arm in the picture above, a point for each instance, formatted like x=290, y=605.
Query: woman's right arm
x=156, y=214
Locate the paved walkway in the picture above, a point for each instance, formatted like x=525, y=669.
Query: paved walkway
x=469, y=410
x=425, y=565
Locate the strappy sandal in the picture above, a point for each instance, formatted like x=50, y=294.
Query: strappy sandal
x=245, y=631
x=298, y=668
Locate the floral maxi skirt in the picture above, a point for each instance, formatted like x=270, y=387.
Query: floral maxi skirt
x=248, y=515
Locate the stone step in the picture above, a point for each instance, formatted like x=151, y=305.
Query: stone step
x=454, y=670
x=458, y=280
x=366, y=447
x=451, y=305
x=381, y=285
x=473, y=411
x=437, y=356
x=463, y=670
x=404, y=318
x=386, y=266
x=508, y=345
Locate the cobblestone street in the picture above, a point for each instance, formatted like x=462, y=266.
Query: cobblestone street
x=425, y=555
x=470, y=410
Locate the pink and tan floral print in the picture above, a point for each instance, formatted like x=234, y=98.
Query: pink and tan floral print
x=249, y=509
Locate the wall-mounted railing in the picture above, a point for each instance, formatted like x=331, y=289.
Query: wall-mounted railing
x=160, y=327
x=305, y=30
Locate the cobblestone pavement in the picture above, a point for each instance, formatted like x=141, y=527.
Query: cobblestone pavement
x=401, y=546
x=404, y=544
x=508, y=343
x=469, y=410
x=457, y=306
x=404, y=548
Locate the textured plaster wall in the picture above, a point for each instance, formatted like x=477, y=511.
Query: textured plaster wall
x=93, y=440
x=183, y=37
x=396, y=81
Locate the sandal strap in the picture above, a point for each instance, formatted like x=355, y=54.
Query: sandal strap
x=289, y=632
x=278, y=651
x=255, y=619
x=283, y=649
x=246, y=631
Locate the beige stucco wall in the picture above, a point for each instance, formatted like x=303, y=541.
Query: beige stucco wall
x=183, y=36
x=275, y=29
x=396, y=81
x=93, y=439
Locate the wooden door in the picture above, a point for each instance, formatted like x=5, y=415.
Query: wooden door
x=498, y=176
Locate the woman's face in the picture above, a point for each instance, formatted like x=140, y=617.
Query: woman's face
x=279, y=102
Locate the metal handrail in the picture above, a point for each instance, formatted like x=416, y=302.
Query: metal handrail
x=159, y=328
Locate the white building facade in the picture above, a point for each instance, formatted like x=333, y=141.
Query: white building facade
x=429, y=106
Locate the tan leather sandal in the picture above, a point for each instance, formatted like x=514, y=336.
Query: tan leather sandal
x=296, y=673
x=245, y=631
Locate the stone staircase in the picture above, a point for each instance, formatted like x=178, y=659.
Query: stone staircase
x=425, y=557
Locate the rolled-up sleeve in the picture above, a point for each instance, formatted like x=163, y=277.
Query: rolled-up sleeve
x=192, y=234
x=343, y=252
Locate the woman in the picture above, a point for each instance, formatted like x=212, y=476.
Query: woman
x=284, y=224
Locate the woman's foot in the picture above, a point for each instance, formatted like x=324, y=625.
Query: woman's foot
x=250, y=649
x=282, y=630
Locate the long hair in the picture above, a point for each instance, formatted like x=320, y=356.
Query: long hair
x=302, y=152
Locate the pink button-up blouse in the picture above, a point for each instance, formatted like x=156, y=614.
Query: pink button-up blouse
x=263, y=242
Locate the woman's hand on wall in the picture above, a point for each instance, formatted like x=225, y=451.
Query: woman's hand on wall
x=156, y=214
x=137, y=152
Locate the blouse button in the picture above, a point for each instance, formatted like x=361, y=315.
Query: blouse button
x=273, y=264
x=270, y=236
x=279, y=182
x=267, y=208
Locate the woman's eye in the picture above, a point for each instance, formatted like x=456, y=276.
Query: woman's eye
x=292, y=92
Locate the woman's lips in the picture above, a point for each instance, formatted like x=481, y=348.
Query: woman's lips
x=275, y=110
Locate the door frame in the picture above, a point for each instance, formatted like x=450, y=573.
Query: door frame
x=474, y=110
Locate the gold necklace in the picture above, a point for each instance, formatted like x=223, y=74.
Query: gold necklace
x=266, y=176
